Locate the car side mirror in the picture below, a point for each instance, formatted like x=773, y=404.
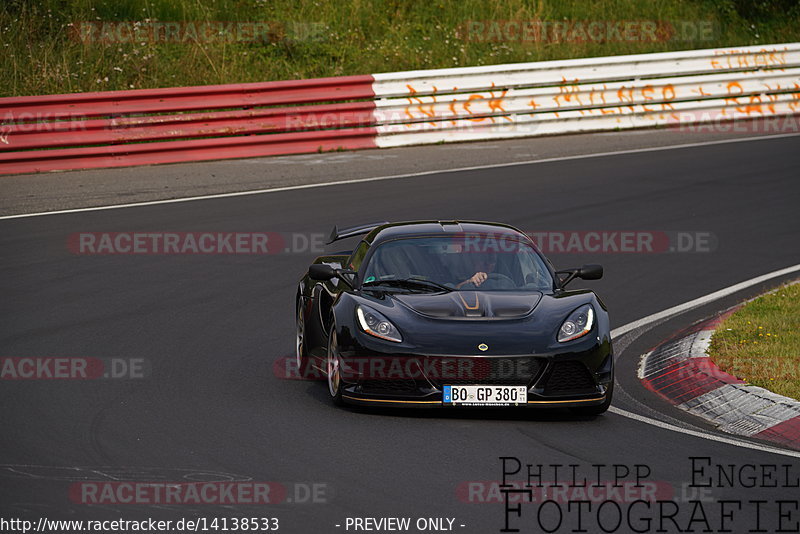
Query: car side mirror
x=591, y=271
x=321, y=271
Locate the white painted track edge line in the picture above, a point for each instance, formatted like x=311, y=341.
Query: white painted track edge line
x=399, y=176
x=702, y=300
x=680, y=309
x=705, y=435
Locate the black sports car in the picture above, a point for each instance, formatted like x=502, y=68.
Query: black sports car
x=453, y=313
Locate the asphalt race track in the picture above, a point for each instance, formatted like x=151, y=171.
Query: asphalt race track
x=210, y=328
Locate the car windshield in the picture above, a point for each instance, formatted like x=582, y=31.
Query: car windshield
x=460, y=262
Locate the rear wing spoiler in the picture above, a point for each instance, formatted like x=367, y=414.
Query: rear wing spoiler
x=337, y=234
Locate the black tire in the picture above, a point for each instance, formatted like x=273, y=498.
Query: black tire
x=304, y=368
x=332, y=370
x=598, y=409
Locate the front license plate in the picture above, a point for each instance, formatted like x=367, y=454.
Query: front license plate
x=484, y=395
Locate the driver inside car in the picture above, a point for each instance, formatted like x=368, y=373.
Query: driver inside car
x=485, y=264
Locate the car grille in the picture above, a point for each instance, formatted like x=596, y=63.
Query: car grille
x=453, y=371
x=569, y=377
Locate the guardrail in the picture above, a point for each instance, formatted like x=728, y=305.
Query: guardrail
x=120, y=128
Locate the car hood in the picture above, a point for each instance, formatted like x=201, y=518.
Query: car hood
x=471, y=304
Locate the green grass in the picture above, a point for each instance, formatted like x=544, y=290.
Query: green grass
x=335, y=37
x=760, y=343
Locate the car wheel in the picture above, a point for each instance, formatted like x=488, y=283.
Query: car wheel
x=600, y=408
x=303, y=363
x=333, y=367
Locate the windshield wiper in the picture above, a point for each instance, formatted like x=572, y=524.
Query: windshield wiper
x=408, y=282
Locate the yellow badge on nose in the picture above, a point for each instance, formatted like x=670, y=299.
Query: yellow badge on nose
x=483, y=347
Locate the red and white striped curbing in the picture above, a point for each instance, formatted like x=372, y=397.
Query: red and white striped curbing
x=681, y=372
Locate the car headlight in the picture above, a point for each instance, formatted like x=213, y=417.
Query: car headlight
x=579, y=323
x=375, y=324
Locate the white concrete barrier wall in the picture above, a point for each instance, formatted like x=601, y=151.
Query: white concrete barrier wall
x=672, y=89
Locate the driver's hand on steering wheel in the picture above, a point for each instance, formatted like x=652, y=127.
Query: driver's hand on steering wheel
x=478, y=278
